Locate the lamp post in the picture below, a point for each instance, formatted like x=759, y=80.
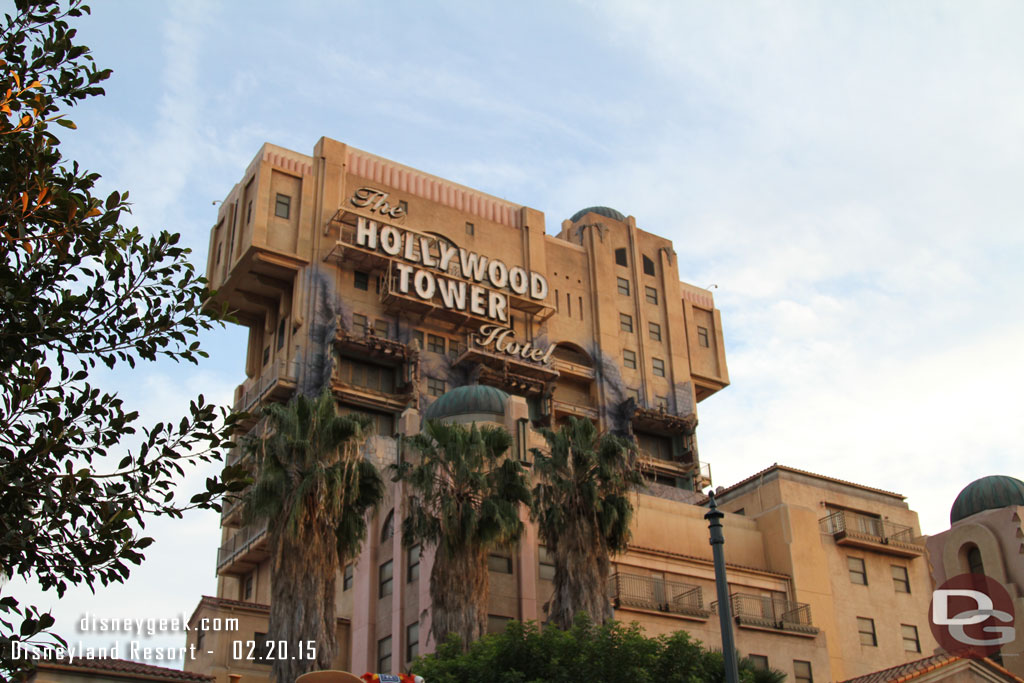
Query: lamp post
x=714, y=517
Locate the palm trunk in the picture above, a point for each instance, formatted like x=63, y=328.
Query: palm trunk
x=302, y=603
x=581, y=577
x=456, y=609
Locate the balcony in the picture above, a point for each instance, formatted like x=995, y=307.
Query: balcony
x=657, y=595
x=857, y=530
x=767, y=612
x=276, y=383
x=244, y=550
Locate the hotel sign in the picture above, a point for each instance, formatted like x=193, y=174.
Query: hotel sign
x=422, y=263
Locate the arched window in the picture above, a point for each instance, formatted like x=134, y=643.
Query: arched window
x=648, y=266
x=387, y=530
x=974, y=562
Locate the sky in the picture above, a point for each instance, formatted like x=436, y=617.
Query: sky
x=846, y=176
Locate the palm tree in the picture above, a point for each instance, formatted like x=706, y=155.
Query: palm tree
x=464, y=500
x=313, y=488
x=582, y=507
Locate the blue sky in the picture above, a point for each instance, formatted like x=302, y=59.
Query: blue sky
x=847, y=173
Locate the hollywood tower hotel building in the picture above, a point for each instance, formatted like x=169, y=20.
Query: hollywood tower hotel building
x=413, y=297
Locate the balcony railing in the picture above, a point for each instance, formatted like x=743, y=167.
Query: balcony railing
x=770, y=612
x=248, y=394
x=242, y=540
x=852, y=528
x=655, y=593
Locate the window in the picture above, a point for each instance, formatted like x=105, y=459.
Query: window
x=911, y=642
x=759, y=662
x=347, y=576
x=661, y=403
x=655, y=331
x=387, y=529
x=380, y=328
x=651, y=294
x=654, y=445
x=250, y=581
x=283, y=206
x=412, y=642
x=547, y=564
x=359, y=324
x=266, y=355
x=802, y=672
x=629, y=358
x=858, y=574
x=262, y=653
x=620, y=257
x=361, y=280
x=387, y=579
x=974, y=562
x=384, y=655
x=435, y=387
x=625, y=322
x=658, y=366
x=635, y=395
x=281, y=330
x=866, y=627
x=368, y=376
x=435, y=343
x=702, y=337
x=470, y=229
x=412, y=562
x=496, y=623
x=900, y=579
x=623, y=284
x=248, y=212
x=499, y=563
x=648, y=266
x=454, y=349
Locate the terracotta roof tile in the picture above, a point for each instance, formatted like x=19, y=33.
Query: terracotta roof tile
x=911, y=670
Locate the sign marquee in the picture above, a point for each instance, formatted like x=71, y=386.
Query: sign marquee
x=484, y=281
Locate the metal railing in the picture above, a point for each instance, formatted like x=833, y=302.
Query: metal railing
x=247, y=394
x=868, y=528
x=770, y=612
x=242, y=540
x=656, y=593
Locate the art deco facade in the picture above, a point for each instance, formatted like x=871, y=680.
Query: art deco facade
x=411, y=296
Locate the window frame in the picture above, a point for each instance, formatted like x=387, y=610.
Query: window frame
x=862, y=573
x=286, y=203
x=658, y=367
x=654, y=331
x=903, y=580
x=651, y=295
x=436, y=387
x=798, y=676
x=435, y=341
x=915, y=638
x=386, y=584
x=347, y=577
x=866, y=629
x=703, y=339
x=412, y=563
x=381, y=655
x=412, y=647
x=492, y=563
x=622, y=284
x=629, y=359
x=361, y=280
x=626, y=322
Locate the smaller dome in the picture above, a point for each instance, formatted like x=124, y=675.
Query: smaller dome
x=468, y=400
x=987, y=493
x=605, y=211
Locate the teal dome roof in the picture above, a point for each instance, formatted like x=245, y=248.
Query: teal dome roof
x=605, y=211
x=468, y=400
x=987, y=493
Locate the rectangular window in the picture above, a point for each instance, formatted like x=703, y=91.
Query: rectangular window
x=387, y=578
x=248, y=212
x=281, y=331
x=655, y=331
x=654, y=446
x=470, y=229
x=501, y=564
x=283, y=206
x=366, y=375
x=651, y=294
x=435, y=343
x=380, y=328
x=629, y=359
x=625, y=322
x=412, y=642
x=361, y=280
x=496, y=623
x=866, y=628
x=435, y=387
x=635, y=395
x=802, y=672
x=702, y=337
x=620, y=257
x=250, y=581
x=900, y=579
x=911, y=641
x=623, y=286
x=759, y=662
x=661, y=403
x=454, y=349
x=547, y=564
x=359, y=324
x=412, y=562
x=347, y=577
x=266, y=355
x=858, y=574
x=658, y=365
x=384, y=655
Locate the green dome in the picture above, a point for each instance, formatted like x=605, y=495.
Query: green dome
x=605, y=211
x=468, y=400
x=987, y=493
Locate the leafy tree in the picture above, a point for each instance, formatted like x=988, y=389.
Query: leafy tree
x=465, y=502
x=313, y=488
x=78, y=289
x=582, y=507
x=609, y=653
